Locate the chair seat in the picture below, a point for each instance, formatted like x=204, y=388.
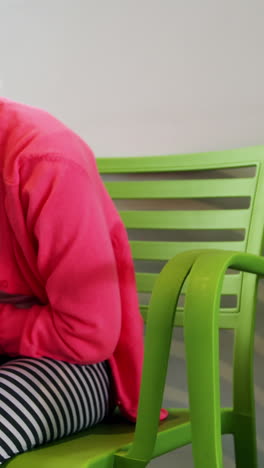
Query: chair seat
x=96, y=447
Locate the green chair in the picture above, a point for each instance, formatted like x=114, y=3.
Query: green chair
x=201, y=245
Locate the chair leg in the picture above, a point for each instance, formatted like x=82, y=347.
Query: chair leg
x=245, y=443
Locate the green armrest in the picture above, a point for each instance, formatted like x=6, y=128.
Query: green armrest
x=160, y=326
x=201, y=328
x=206, y=270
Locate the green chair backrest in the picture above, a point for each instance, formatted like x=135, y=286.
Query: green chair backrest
x=170, y=204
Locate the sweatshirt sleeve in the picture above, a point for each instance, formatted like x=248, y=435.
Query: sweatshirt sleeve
x=64, y=218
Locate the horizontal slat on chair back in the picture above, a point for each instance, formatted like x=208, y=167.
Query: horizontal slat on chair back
x=233, y=219
x=154, y=250
x=183, y=189
x=145, y=283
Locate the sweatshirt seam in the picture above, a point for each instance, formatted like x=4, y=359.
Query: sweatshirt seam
x=51, y=158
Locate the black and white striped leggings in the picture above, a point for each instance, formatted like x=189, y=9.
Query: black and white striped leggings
x=42, y=400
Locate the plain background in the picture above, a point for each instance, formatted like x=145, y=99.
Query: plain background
x=140, y=76
x=146, y=77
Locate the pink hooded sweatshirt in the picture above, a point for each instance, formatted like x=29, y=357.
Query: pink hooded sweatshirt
x=63, y=245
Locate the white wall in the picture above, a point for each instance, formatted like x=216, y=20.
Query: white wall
x=140, y=76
